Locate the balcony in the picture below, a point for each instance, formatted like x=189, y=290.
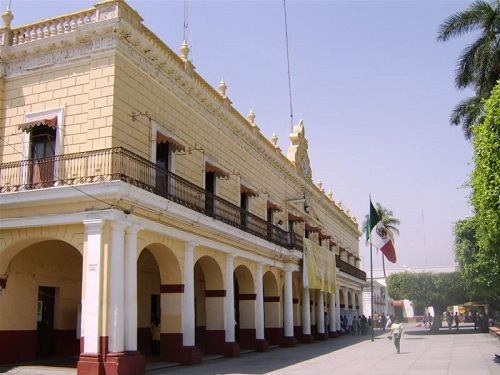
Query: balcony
x=118, y=164
x=350, y=269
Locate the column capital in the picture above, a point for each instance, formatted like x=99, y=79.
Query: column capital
x=118, y=224
x=133, y=229
x=190, y=245
x=93, y=225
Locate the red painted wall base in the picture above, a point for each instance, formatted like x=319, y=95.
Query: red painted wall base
x=288, y=341
x=90, y=364
x=17, y=346
x=232, y=349
x=306, y=339
x=261, y=345
x=128, y=363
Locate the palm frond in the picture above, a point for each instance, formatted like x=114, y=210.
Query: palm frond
x=471, y=60
x=465, y=21
x=467, y=113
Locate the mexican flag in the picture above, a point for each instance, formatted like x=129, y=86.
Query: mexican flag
x=379, y=236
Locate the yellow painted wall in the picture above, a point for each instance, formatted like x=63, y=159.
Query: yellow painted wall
x=49, y=263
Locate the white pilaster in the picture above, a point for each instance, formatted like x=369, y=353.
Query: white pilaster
x=91, y=302
x=188, y=298
x=229, y=305
x=131, y=288
x=116, y=299
x=288, y=304
x=259, y=303
x=331, y=312
x=320, y=312
x=306, y=312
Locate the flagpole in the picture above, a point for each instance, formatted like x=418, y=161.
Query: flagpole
x=371, y=270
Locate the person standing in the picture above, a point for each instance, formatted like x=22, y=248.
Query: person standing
x=383, y=321
x=396, y=332
x=457, y=320
x=449, y=320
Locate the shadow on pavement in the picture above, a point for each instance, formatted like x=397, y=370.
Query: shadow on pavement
x=54, y=362
x=274, y=359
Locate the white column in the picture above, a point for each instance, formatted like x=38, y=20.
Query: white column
x=306, y=312
x=259, y=304
x=188, y=297
x=337, y=309
x=92, y=288
x=320, y=312
x=229, y=305
x=116, y=299
x=331, y=312
x=288, y=304
x=131, y=288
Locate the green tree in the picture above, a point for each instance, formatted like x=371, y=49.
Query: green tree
x=485, y=198
x=438, y=290
x=387, y=218
x=479, y=64
x=479, y=269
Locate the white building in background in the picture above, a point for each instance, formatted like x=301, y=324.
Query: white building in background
x=383, y=303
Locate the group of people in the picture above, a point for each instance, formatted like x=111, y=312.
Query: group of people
x=360, y=325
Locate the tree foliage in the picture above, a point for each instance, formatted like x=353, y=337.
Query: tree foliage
x=478, y=239
x=479, y=64
x=438, y=290
x=479, y=269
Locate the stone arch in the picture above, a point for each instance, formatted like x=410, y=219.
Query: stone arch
x=15, y=240
x=342, y=300
x=42, y=280
x=273, y=329
x=297, y=297
x=159, y=298
x=244, y=307
x=209, y=294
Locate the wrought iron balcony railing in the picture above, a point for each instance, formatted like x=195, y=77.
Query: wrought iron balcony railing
x=121, y=164
x=350, y=269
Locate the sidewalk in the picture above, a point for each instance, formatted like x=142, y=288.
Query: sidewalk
x=462, y=352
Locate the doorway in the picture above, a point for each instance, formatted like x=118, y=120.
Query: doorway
x=45, y=321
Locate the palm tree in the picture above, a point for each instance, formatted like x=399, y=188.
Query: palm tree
x=479, y=64
x=387, y=218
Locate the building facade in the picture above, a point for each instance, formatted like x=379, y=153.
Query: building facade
x=132, y=195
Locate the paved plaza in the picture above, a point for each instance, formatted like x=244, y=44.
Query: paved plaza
x=462, y=352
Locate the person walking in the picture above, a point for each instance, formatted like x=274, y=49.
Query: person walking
x=396, y=332
x=449, y=320
x=457, y=320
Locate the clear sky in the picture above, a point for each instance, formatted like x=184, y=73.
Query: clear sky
x=374, y=87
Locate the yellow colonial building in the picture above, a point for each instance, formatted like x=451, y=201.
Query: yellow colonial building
x=142, y=216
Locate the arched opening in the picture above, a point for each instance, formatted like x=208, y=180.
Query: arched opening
x=273, y=329
x=297, y=313
x=40, y=301
x=159, y=304
x=209, y=298
x=244, y=307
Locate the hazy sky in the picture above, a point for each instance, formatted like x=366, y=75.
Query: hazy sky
x=374, y=87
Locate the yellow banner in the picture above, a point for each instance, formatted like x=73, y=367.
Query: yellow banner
x=319, y=267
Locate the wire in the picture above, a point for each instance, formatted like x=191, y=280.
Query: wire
x=288, y=66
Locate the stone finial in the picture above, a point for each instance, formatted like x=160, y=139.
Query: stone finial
x=274, y=140
x=251, y=117
x=7, y=17
x=319, y=184
x=330, y=194
x=222, y=88
x=184, y=50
